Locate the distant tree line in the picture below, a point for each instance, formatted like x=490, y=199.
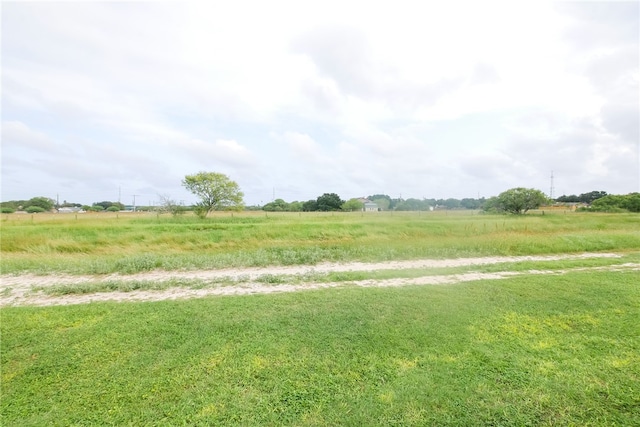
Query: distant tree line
x=45, y=204
x=587, y=198
x=333, y=202
x=615, y=203
x=33, y=205
x=218, y=192
x=104, y=206
x=600, y=201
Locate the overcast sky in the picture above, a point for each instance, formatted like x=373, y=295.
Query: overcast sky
x=101, y=101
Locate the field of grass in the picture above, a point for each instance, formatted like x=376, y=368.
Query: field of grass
x=560, y=348
x=523, y=351
x=107, y=243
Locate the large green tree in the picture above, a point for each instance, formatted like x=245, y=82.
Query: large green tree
x=216, y=192
x=329, y=202
x=42, y=202
x=520, y=200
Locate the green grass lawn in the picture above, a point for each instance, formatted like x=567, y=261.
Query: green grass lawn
x=102, y=243
x=531, y=350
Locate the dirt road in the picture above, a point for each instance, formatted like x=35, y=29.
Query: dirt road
x=28, y=289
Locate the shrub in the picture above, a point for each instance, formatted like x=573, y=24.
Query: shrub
x=7, y=210
x=34, y=209
x=113, y=209
x=617, y=203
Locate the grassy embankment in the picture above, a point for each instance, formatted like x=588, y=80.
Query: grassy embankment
x=100, y=244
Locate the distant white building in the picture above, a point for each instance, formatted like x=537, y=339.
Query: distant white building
x=69, y=210
x=368, y=205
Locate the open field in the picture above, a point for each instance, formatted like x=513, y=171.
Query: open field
x=332, y=319
x=131, y=243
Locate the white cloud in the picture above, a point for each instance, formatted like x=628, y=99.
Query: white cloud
x=14, y=131
x=442, y=99
x=218, y=154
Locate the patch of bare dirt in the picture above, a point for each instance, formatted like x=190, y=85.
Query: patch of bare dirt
x=19, y=289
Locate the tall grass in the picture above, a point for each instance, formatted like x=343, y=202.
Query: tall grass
x=131, y=243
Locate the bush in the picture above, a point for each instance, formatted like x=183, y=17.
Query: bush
x=34, y=209
x=113, y=209
x=617, y=203
x=43, y=202
x=7, y=210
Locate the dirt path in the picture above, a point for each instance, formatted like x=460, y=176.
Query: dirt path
x=21, y=289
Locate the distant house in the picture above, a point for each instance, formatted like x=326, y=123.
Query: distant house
x=368, y=205
x=69, y=210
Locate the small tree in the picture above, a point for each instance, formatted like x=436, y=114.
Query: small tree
x=107, y=204
x=278, y=205
x=520, y=200
x=167, y=204
x=469, y=203
x=352, y=205
x=382, y=200
x=216, y=192
x=412, y=204
x=295, y=206
x=35, y=209
x=492, y=205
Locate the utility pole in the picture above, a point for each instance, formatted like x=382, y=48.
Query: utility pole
x=552, y=188
x=134, y=201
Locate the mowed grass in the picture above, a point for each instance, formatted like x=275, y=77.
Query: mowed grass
x=531, y=350
x=129, y=243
